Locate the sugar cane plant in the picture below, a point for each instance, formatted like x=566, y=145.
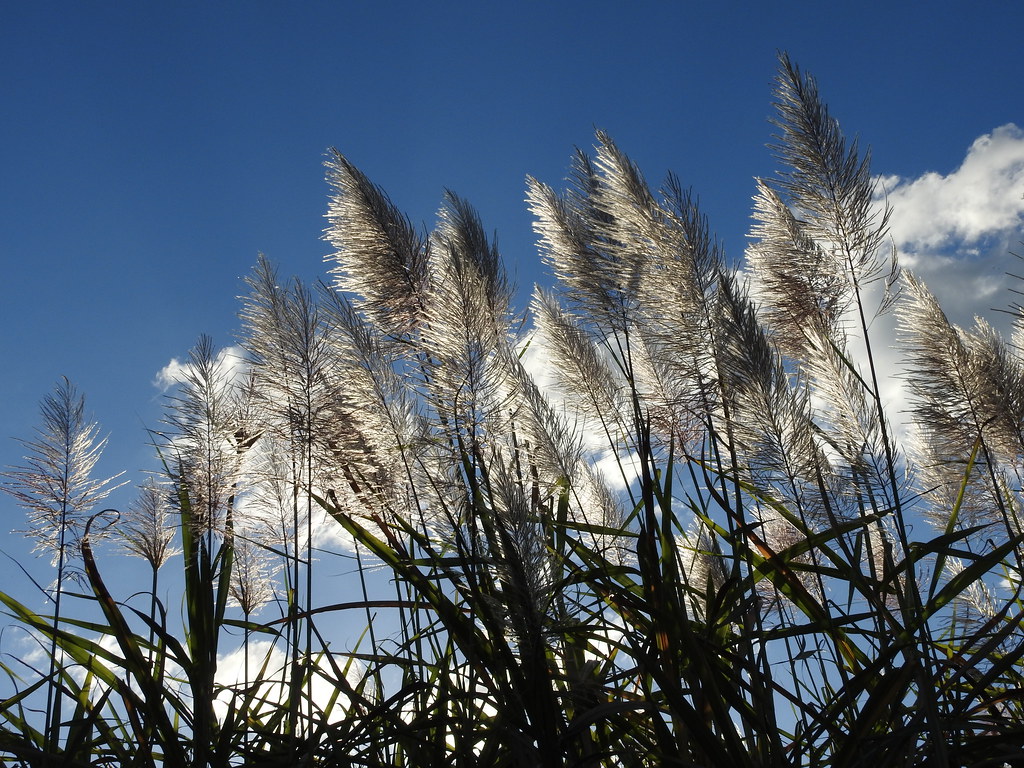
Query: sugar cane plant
x=660, y=518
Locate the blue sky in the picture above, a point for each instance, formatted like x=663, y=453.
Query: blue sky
x=150, y=151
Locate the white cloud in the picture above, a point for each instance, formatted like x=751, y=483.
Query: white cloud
x=982, y=198
x=266, y=668
x=230, y=359
x=956, y=231
x=171, y=374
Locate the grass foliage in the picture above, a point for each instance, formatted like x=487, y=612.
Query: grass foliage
x=661, y=520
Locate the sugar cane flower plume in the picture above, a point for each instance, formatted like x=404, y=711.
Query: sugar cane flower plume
x=472, y=381
x=967, y=400
x=297, y=392
x=381, y=259
x=634, y=271
x=702, y=565
x=821, y=274
x=56, y=486
x=253, y=571
x=441, y=424
x=209, y=436
x=148, y=527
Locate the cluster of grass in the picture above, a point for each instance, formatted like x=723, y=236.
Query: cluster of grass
x=667, y=524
